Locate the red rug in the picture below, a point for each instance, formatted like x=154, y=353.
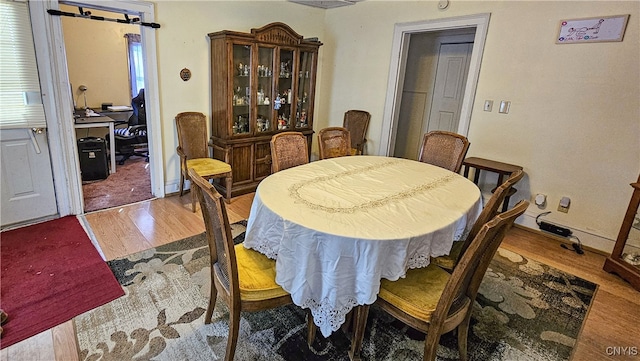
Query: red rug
x=50, y=273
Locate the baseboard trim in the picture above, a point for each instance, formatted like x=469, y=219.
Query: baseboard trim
x=590, y=241
x=173, y=187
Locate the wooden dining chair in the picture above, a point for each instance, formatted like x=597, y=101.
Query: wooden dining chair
x=243, y=278
x=357, y=122
x=433, y=301
x=334, y=142
x=444, y=149
x=449, y=262
x=194, y=153
x=288, y=149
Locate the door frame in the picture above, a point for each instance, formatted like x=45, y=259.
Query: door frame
x=51, y=56
x=399, y=51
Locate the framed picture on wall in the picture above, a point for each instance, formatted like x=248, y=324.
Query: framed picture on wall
x=591, y=30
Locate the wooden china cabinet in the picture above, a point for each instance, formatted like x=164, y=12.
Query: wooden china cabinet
x=625, y=258
x=262, y=83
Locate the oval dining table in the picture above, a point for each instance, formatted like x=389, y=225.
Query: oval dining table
x=337, y=227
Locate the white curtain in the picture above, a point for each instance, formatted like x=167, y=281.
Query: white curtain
x=136, y=66
x=20, y=98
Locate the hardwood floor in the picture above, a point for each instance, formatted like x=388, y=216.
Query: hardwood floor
x=613, y=321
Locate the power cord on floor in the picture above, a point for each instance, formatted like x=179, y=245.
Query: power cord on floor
x=575, y=246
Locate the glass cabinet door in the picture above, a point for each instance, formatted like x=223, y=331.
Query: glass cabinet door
x=304, y=89
x=284, y=95
x=241, y=100
x=631, y=250
x=264, y=96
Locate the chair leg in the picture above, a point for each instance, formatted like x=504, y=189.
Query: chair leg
x=311, y=328
x=193, y=198
x=181, y=183
x=234, y=328
x=431, y=344
x=228, y=184
x=463, y=332
x=361, y=314
x=347, y=326
x=213, y=295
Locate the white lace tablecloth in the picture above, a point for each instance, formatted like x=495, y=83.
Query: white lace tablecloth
x=336, y=227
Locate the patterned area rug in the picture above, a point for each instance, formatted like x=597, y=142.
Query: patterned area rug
x=525, y=311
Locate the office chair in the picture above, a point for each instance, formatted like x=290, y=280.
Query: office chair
x=132, y=140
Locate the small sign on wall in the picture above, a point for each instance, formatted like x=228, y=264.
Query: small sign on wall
x=591, y=30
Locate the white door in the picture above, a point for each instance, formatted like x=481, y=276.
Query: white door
x=27, y=181
x=448, y=92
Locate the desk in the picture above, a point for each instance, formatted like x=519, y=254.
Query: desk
x=98, y=122
x=503, y=169
x=336, y=227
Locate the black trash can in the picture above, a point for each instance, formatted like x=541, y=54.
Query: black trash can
x=93, y=158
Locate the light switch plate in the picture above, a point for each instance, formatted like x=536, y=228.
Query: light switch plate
x=504, y=107
x=488, y=105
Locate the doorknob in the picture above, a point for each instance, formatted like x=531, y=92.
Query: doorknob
x=34, y=141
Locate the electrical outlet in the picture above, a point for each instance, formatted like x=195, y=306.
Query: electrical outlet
x=504, y=107
x=564, y=204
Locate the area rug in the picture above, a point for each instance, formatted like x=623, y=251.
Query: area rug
x=129, y=184
x=525, y=311
x=50, y=273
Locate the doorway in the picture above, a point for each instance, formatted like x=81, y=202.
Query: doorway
x=436, y=71
x=64, y=149
x=474, y=26
x=113, y=148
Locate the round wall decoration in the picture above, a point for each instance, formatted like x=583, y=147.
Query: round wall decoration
x=185, y=74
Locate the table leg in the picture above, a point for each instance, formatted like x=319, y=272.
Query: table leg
x=476, y=176
x=361, y=314
x=112, y=148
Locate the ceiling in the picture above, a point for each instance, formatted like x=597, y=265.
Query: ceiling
x=325, y=4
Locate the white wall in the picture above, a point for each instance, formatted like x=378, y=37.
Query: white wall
x=574, y=123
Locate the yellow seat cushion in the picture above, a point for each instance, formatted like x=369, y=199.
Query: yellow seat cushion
x=418, y=293
x=208, y=166
x=256, y=275
x=449, y=261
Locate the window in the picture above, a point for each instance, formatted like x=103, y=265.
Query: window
x=136, y=66
x=20, y=99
